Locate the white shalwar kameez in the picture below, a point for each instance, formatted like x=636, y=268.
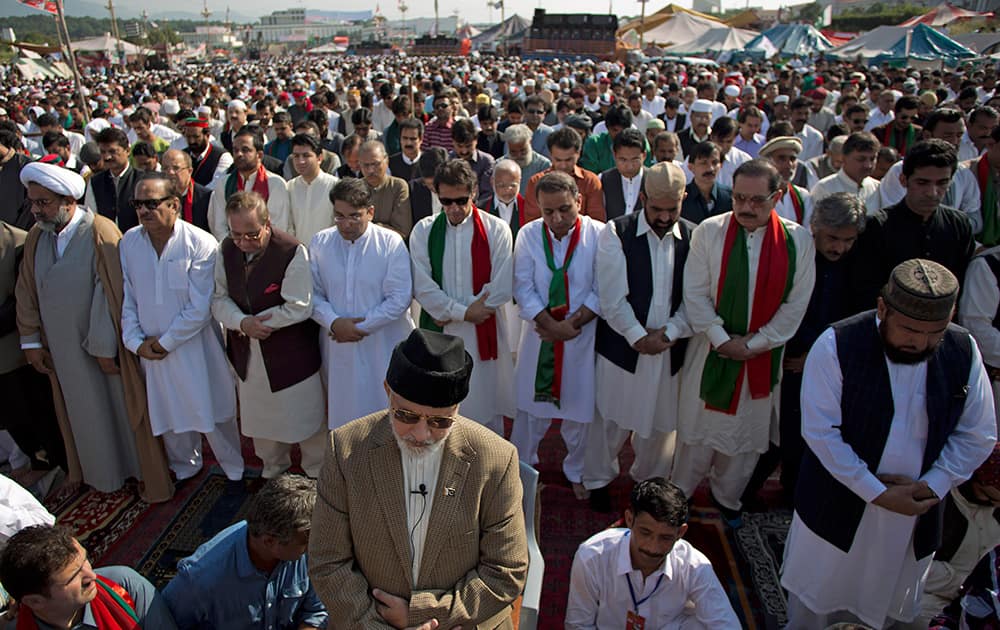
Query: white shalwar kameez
x=532, y=277
x=191, y=390
x=368, y=278
x=976, y=309
x=643, y=403
x=310, y=208
x=711, y=443
x=879, y=579
x=491, y=390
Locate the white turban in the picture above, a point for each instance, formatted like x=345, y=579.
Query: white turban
x=59, y=180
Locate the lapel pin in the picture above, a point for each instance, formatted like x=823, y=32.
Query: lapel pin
x=449, y=492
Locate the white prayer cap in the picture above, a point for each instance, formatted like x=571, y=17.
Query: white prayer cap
x=237, y=104
x=59, y=180
x=529, y=83
x=732, y=90
x=204, y=109
x=170, y=107
x=781, y=98
x=702, y=106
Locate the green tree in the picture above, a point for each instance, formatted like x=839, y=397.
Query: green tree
x=811, y=12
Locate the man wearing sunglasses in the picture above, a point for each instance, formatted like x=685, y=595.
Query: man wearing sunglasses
x=168, y=267
x=418, y=521
x=462, y=274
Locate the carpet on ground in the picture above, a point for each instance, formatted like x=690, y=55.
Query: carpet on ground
x=119, y=528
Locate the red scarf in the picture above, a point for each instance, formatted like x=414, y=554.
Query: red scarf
x=797, y=204
x=235, y=183
x=259, y=183
x=113, y=609
x=189, y=203
x=482, y=267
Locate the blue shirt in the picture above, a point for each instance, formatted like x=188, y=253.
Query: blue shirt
x=750, y=146
x=219, y=587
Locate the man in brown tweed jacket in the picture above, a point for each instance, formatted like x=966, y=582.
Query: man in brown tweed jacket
x=418, y=521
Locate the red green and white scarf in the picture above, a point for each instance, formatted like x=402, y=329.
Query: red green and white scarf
x=722, y=378
x=797, y=204
x=908, y=138
x=113, y=609
x=235, y=183
x=990, y=235
x=548, y=373
x=482, y=267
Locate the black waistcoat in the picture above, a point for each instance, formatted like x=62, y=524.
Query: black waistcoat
x=291, y=354
x=115, y=202
x=827, y=506
x=609, y=344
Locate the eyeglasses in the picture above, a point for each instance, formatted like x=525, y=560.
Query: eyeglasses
x=442, y=105
x=41, y=203
x=174, y=169
x=254, y=236
x=434, y=422
x=148, y=204
x=456, y=201
x=755, y=201
x=354, y=218
x=536, y=112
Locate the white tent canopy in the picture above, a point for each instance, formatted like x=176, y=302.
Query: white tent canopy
x=680, y=29
x=107, y=45
x=723, y=39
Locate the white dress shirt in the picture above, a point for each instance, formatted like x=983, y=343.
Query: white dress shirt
x=684, y=591
x=65, y=235
x=812, y=142
x=630, y=190
x=867, y=191
x=419, y=470
x=656, y=106
x=877, y=118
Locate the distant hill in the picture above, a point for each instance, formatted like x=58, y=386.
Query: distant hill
x=123, y=10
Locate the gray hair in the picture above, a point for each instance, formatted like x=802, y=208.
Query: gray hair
x=518, y=134
x=689, y=91
x=507, y=166
x=282, y=508
x=373, y=145
x=839, y=210
x=837, y=144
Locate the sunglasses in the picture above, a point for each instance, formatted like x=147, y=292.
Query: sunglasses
x=434, y=422
x=453, y=201
x=148, y=204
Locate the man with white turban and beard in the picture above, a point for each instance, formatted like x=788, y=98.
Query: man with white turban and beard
x=69, y=300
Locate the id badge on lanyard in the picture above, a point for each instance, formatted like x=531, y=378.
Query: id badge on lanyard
x=633, y=620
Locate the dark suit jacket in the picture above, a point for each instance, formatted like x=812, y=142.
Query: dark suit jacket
x=695, y=209
x=199, y=206
x=345, y=171
x=681, y=119
x=688, y=141
x=399, y=168
x=421, y=203
x=614, y=194
x=475, y=556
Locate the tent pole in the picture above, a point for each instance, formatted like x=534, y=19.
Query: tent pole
x=64, y=30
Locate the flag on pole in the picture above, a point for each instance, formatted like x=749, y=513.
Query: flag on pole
x=49, y=6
